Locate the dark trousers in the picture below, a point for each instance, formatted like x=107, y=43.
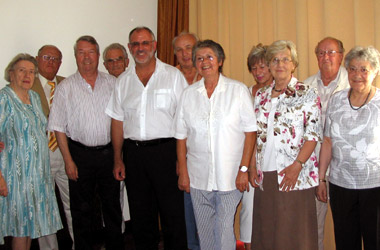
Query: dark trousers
x=152, y=186
x=95, y=176
x=356, y=215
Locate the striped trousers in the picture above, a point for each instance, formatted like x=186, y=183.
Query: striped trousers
x=214, y=214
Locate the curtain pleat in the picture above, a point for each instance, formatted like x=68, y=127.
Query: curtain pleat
x=173, y=18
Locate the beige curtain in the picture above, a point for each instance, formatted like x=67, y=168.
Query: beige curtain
x=239, y=24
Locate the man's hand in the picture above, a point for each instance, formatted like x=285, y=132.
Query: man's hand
x=71, y=170
x=119, y=170
x=184, y=182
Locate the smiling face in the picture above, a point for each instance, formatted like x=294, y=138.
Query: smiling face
x=182, y=48
x=115, y=62
x=329, y=62
x=22, y=76
x=49, y=61
x=360, y=75
x=142, y=47
x=261, y=73
x=87, y=57
x=281, y=66
x=207, y=63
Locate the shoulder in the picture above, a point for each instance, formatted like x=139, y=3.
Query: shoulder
x=106, y=77
x=312, y=80
x=166, y=68
x=59, y=79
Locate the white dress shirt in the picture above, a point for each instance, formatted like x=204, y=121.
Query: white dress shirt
x=147, y=111
x=214, y=128
x=78, y=110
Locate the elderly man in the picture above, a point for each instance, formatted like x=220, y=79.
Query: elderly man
x=115, y=59
x=49, y=60
x=183, y=45
x=331, y=78
x=84, y=138
x=145, y=100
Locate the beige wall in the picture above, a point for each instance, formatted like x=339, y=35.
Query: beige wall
x=27, y=25
x=239, y=24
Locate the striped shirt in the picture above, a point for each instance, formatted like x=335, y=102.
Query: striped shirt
x=78, y=110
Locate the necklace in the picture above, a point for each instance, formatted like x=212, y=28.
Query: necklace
x=349, y=96
x=277, y=90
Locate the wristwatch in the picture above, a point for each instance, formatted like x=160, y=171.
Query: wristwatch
x=243, y=169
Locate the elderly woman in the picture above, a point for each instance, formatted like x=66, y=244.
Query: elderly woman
x=288, y=128
x=28, y=207
x=259, y=69
x=215, y=128
x=351, y=147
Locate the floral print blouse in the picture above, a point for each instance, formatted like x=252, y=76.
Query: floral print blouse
x=297, y=119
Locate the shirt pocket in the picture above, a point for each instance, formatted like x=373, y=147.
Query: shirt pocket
x=162, y=98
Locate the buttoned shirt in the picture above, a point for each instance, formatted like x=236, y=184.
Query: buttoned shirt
x=355, y=138
x=215, y=131
x=296, y=120
x=78, y=110
x=147, y=111
x=325, y=92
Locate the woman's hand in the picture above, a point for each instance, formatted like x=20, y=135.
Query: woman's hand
x=3, y=187
x=290, y=176
x=242, y=181
x=253, y=177
x=321, y=192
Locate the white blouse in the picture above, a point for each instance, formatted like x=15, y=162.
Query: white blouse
x=214, y=128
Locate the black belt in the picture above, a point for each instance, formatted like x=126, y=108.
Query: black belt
x=109, y=145
x=149, y=142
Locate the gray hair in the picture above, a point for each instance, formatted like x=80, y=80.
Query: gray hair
x=89, y=39
x=279, y=46
x=51, y=46
x=142, y=28
x=216, y=47
x=368, y=54
x=15, y=60
x=337, y=41
x=256, y=55
x=115, y=46
x=184, y=33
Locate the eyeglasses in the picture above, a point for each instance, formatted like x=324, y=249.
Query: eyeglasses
x=51, y=58
x=322, y=53
x=25, y=71
x=352, y=69
x=284, y=60
x=202, y=58
x=115, y=60
x=143, y=43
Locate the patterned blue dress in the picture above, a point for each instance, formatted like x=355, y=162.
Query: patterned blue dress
x=30, y=209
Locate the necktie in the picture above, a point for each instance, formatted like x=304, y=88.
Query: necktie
x=52, y=140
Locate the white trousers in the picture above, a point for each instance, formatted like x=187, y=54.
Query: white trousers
x=246, y=215
x=57, y=167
